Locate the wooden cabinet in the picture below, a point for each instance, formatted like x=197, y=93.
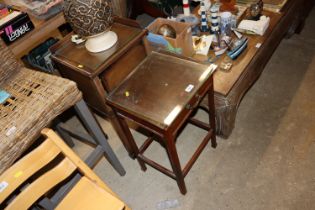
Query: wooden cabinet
x=98, y=73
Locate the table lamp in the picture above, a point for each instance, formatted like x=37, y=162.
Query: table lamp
x=92, y=19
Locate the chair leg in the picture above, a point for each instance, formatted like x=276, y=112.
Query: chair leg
x=98, y=135
x=64, y=135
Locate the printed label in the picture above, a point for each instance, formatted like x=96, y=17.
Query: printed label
x=189, y=88
x=13, y=35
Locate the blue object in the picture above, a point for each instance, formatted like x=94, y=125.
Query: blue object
x=157, y=39
x=204, y=23
x=160, y=40
x=4, y=95
x=238, y=50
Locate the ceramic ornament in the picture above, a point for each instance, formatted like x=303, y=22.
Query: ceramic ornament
x=215, y=19
x=207, y=5
x=92, y=19
x=204, y=23
x=186, y=8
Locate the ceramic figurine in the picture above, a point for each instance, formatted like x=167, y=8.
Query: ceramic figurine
x=215, y=18
x=256, y=9
x=204, y=23
x=186, y=7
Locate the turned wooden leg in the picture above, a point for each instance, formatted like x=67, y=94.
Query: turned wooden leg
x=212, y=116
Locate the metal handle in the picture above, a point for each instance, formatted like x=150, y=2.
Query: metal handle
x=192, y=107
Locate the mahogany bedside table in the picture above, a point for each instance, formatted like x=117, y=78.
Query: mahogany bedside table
x=96, y=74
x=160, y=95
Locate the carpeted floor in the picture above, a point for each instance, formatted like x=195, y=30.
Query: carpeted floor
x=267, y=163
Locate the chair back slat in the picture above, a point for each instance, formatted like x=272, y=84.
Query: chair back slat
x=49, y=177
x=69, y=153
x=42, y=185
x=26, y=167
x=102, y=199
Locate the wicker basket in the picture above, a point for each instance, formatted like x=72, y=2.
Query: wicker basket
x=36, y=99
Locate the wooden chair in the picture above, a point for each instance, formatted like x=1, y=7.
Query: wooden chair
x=50, y=164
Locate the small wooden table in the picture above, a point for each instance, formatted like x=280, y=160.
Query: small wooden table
x=231, y=87
x=96, y=74
x=160, y=95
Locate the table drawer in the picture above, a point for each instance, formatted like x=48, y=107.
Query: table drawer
x=192, y=104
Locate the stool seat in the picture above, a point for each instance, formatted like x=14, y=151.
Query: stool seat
x=36, y=99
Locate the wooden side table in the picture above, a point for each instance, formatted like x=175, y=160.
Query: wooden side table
x=98, y=73
x=161, y=94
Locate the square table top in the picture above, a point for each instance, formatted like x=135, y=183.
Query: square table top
x=90, y=64
x=160, y=88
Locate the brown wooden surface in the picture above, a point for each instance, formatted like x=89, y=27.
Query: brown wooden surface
x=99, y=72
x=231, y=87
x=118, y=71
x=79, y=59
x=90, y=70
x=150, y=96
x=43, y=30
x=155, y=90
x=224, y=82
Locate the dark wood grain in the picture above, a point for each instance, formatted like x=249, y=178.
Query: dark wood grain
x=120, y=70
x=154, y=96
x=98, y=73
x=139, y=7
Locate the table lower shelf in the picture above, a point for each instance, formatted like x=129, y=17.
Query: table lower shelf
x=192, y=160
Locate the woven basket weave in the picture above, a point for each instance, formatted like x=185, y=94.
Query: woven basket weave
x=36, y=99
x=8, y=64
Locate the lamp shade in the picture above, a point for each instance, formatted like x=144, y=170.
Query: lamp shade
x=89, y=17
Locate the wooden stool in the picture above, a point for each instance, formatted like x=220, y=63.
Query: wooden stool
x=160, y=95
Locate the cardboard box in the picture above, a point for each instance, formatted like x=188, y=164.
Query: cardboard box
x=183, y=38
